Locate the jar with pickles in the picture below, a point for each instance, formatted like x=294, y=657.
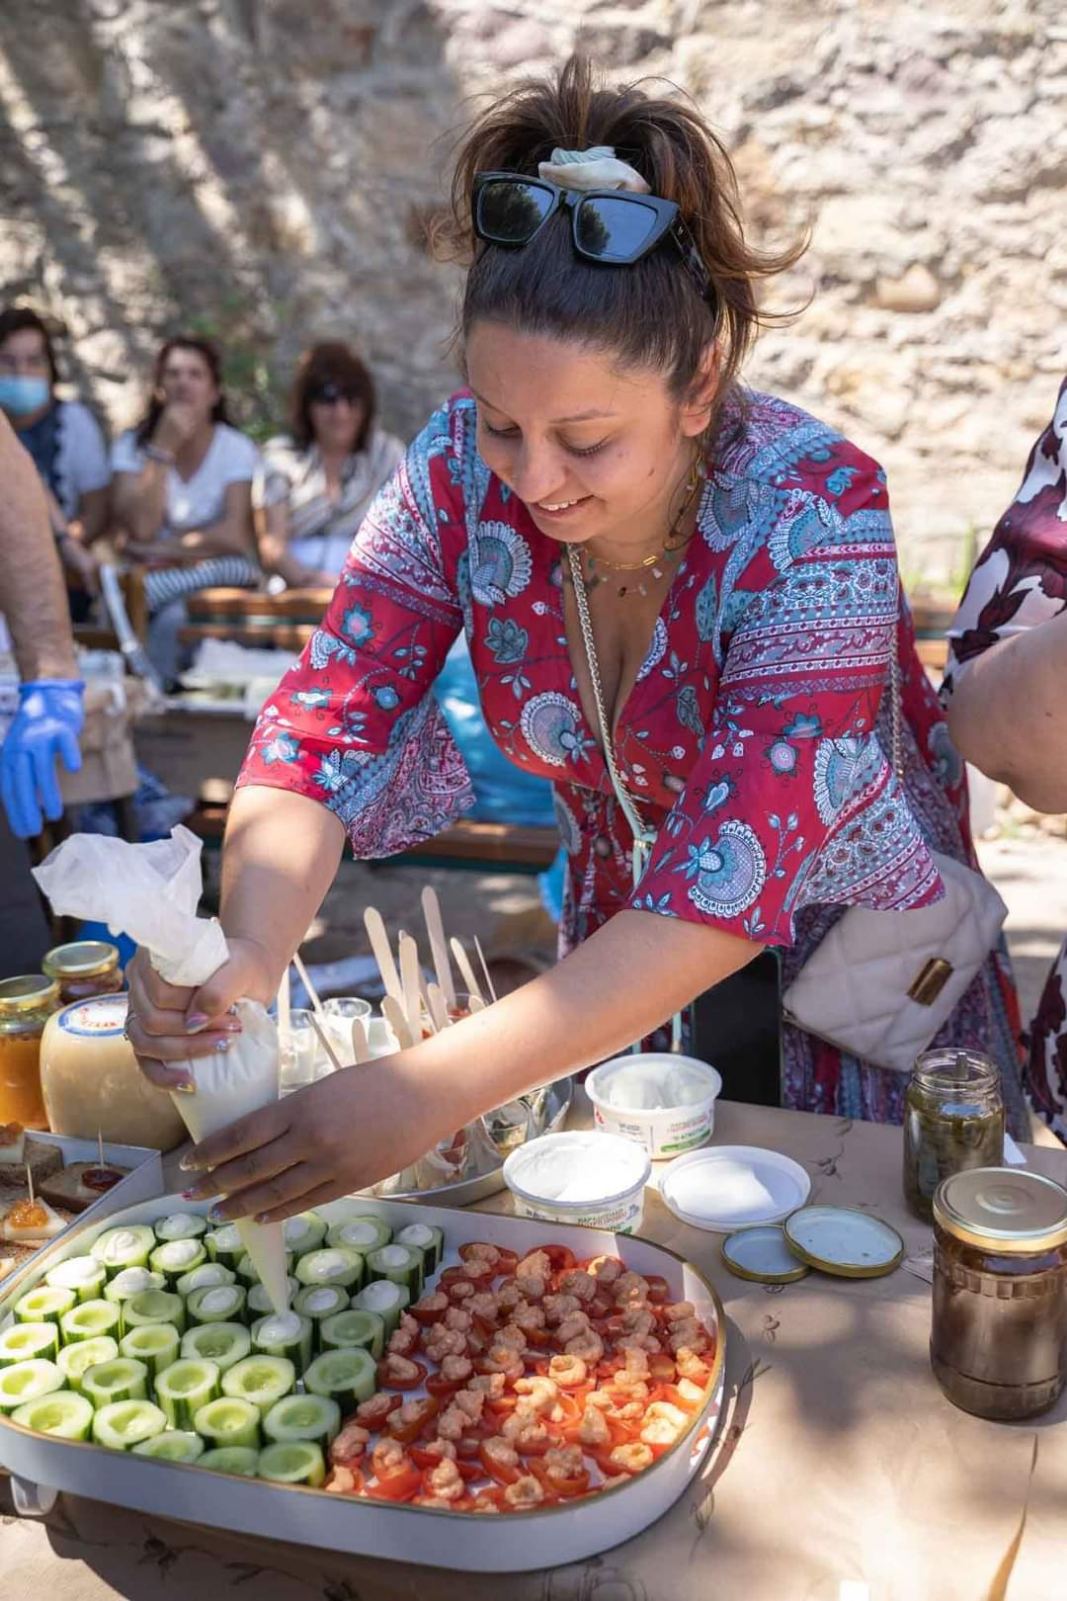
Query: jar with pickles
x=953, y=1121
x=26, y=1004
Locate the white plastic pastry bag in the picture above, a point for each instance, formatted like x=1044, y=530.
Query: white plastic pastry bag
x=151, y=892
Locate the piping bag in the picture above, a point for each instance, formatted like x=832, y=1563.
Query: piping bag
x=151, y=892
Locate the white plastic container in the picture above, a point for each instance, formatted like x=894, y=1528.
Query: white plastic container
x=580, y=1177
x=622, y=1089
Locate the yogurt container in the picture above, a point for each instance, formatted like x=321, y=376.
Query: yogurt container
x=664, y=1102
x=580, y=1177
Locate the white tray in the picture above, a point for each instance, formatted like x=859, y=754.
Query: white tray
x=508, y=1543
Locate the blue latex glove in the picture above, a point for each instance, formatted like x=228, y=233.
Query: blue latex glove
x=46, y=727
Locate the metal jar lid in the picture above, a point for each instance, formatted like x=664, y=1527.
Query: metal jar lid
x=85, y=958
x=1001, y=1209
x=30, y=992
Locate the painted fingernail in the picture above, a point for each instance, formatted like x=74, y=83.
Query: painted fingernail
x=188, y=1195
x=184, y=1086
x=232, y=1028
x=223, y=1045
x=195, y=1022
x=217, y=1215
x=188, y=1164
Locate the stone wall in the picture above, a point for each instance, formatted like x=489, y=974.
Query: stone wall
x=250, y=166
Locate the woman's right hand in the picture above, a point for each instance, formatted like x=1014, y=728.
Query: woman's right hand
x=167, y=1025
x=177, y=423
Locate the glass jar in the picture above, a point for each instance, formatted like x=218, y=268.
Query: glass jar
x=26, y=1004
x=91, y=1082
x=953, y=1120
x=88, y=967
x=998, y=1346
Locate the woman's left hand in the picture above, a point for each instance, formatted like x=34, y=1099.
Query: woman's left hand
x=347, y=1131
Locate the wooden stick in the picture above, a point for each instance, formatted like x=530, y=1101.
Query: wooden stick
x=100, y=1146
x=409, y=975
x=427, y=1011
x=29, y=1183
x=324, y=1040
x=438, y=1007
x=477, y=1004
x=431, y=911
x=396, y=1017
x=464, y=962
x=383, y=953
x=485, y=968
x=360, y=1042
x=305, y=978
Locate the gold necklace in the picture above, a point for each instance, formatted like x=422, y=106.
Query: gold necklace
x=656, y=564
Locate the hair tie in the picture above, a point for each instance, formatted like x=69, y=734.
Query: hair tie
x=595, y=168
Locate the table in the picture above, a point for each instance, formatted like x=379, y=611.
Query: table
x=839, y=1459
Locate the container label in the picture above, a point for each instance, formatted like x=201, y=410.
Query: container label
x=102, y=1017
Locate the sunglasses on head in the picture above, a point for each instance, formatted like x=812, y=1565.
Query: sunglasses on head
x=611, y=227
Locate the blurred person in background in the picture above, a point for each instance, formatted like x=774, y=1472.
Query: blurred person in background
x=65, y=442
x=1004, y=691
x=49, y=715
x=315, y=483
x=183, y=492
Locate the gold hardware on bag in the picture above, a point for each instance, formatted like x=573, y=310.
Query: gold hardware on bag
x=930, y=981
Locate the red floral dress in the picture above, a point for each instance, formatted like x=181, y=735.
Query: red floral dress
x=754, y=737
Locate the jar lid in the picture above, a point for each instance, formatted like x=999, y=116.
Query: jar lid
x=763, y=1255
x=27, y=993
x=999, y=1208
x=82, y=959
x=844, y=1241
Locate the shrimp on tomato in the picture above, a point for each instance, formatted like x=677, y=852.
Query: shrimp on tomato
x=589, y=1346
x=568, y=1371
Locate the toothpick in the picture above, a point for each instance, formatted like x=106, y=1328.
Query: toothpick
x=485, y=968
x=360, y=1043
x=305, y=978
x=464, y=962
x=100, y=1146
x=29, y=1183
x=324, y=1039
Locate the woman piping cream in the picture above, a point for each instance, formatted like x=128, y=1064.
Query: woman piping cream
x=735, y=560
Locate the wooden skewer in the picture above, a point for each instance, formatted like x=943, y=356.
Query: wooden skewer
x=409, y=975
x=305, y=977
x=464, y=962
x=438, y=1007
x=431, y=911
x=485, y=968
x=395, y=1016
x=324, y=1040
x=360, y=1042
x=100, y=1146
x=383, y=953
x=29, y=1183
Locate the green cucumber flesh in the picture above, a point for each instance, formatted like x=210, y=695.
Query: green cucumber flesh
x=336, y=1264
x=303, y=1233
x=74, y=1360
x=24, y=1341
x=45, y=1304
x=386, y=1299
x=123, y=1247
x=219, y=1303
x=154, y=1344
x=175, y=1258
x=362, y=1233
x=229, y=1421
x=123, y=1424
x=261, y=1380
x=179, y=1226
x=184, y=1387
x=427, y=1239
x=303, y=1417
x=153, y=1306
x=82, y=1274
x=225, y=1245
x=176, y=1445
x=88, y=1320
x=132, y=1281
x=354, y=1328
x=294, y=1462
x=239, y=1459
x=319, y=1301
x=259, y=1302
x=286, y=1334
x=205, y=1277
x=221, y=1343
x=28, y=1381
x=124, y=1378
x=63, y=1415
x=348, y=1377
x=248, y=1272
x=400, y=1264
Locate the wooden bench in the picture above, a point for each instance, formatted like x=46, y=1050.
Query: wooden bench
x=253, y=619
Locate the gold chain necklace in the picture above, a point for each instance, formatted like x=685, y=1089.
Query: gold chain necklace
x=656, y=564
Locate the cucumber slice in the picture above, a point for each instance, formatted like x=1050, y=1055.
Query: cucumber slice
x=303, y=1417
x=296, y=1462
x=45, y=1304
x=259, y=1302
x=262, y=1380
x=400, y=1264
x=89, y=1319
x=385, y=1298
x=225, y=1245
x=123, y=1247
x=130, y=1282
x=176, y=1445
x=220, y=1303
x=82, y=1274
x=74, y=1360
x=124, y=1378
x=347, y=1377
x=248, y=1273
x=284, y=1334
x=425, y=1238
x=184, y=1387
x=239, y=1459
x=63, y=1415
x=353, y=1330
x=362, y=1233
x=338, y=1264
x=230, y=1420
x=154, y=1344
x=221, y=1343
x=28, y=1381
x=208, y=1276
x=153, y=1306
x=318, y=1301
x=23, y=1342
x=180, y=1226
x=123, y=1424
x=303, y=1233
x=175, y=1258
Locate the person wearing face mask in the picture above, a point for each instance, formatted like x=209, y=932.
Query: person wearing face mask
x=682, y=604
x=65, y=442
x=183, y=492
x=315, y=483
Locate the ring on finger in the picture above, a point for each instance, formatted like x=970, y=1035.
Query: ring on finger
x=131, y=1017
